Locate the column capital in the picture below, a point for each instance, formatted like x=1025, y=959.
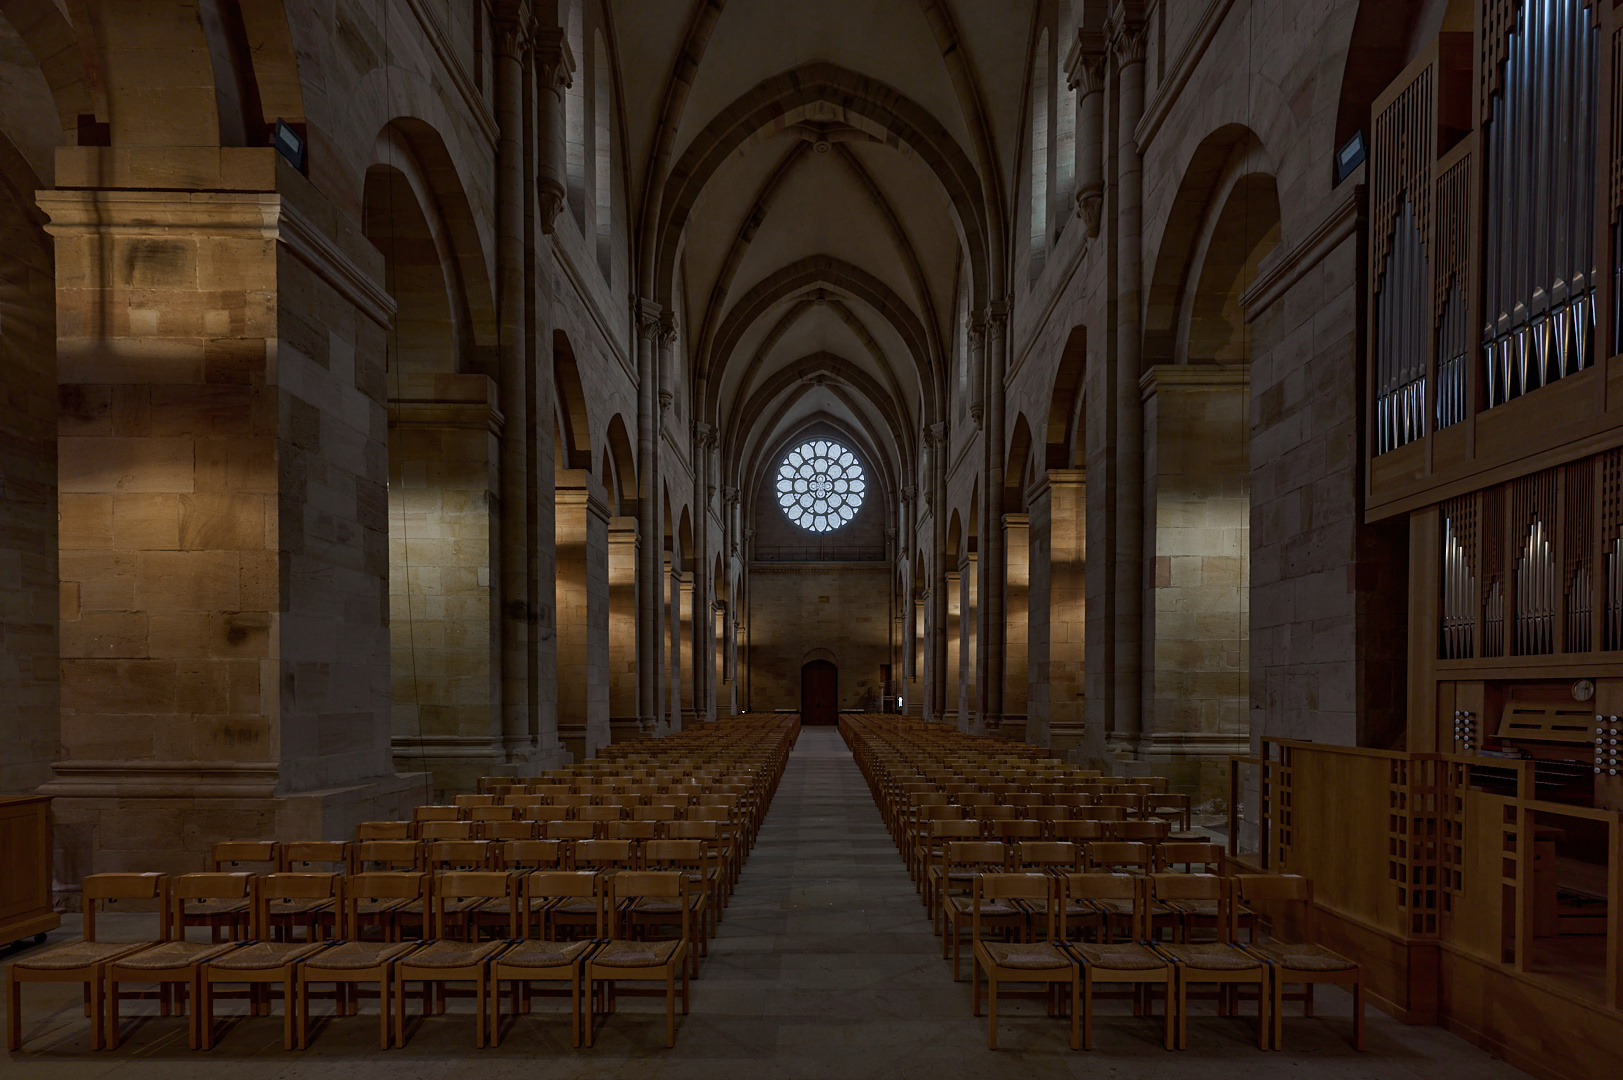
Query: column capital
x=909, y=493
x=704, y=435
x=1126, y=32
x=935, y=435
x=647, y=315
x=555, y=61
x=514, y=27
x=1085, y=63
x=729, y=494
x=667, y=330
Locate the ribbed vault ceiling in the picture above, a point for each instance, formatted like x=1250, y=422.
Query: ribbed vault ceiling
x=817, y=262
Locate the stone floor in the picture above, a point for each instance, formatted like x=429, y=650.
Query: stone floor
x=825, y=966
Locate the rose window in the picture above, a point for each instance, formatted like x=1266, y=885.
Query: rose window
x=820, y=485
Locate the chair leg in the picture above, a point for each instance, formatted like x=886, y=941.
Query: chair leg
x=98, y=1012
x=204, y=1008
x=388, y=1003
x=1087, y=1009
x=1183, y=1010
x=1074, y=989
x=670, y=1007
x=14, y=1017
x=591, y=991
x=481, y=1004
x=1277, y=996
x=1358, y=1013
x=400, y=1009
x=991, y=1011
x=1263, y=1027
x=289, y=1005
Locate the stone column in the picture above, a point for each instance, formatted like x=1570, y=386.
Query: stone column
x=989, y=630
x=650, y=574
x=1085, y=70
x=969, y=719
x=443, y=530
x=935, y=441
x=1057, y=598
x=581, y=528
x=687, y=647
x=512, y=28
x=1127, y=42
x=1197, y=616
x=223, y=511
x=555, y=70
x=1017, y=580
x=623, y=565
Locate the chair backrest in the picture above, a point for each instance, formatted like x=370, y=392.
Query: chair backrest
x=694, y=830
x=970, y=853
x=549, y=791
x=1017, y=829
x=457, y=855
x=955, y=830
x=503, y=831
x=635, y=830
x=99, y=889
x=1175, y=887
x=471, y=885
x=379, y=885
x=709, y=813
x=1010, y=887
x=605, y=854
x=1055, y=853
x=387, y=854
x=523, y=799
x=1145, y=831
x=308, y=854
x=569, y=830
x=383, y=830
x=1095, y=886
x=1095, y=812
x=531, y=854
x=294, y=886
x=546, y=813
x=470, y=801
x=572, y=800
x=229, y=854
x=431, y=831
x=622, y=799
x=1209, y=857
x=657, y=812
x=1276, y=895
x=564, y=884
x=602, y=813
x=660, y=853
x=636, y=884
x=491, y=813
x=216, y=885
x=436, y=813
x=1078, y=832
x=1111, y=854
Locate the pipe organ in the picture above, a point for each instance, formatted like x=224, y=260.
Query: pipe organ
x=1539, y=144
x=1493, y=433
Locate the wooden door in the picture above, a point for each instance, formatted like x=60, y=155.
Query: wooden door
x=819, y=693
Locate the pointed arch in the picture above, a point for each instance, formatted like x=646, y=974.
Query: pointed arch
x=575, y=427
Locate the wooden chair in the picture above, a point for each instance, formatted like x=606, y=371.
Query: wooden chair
x=964, y=863
x=542, y=958
x=717, y=845
x=1132, y=963
x=469, y=802
x=606, y=856
x=942, y=833
x=487, y=813
x=1161, y=803
x=313, y=856
x=354, y=962
x=424, y=814
x=621, y=960
x=1306, y=963
x=85, y=961
x=231, y=916
x=1045, y=962
x=1140, y=832
x=367, y=855
x=1013, y=830
x=443, y=960
x=1076, y=832
x=383, y=830
x=262, y=963
x=602, y=815
x=175, y=960
x=688, y=857
x=545, y=813
x=1221, y=963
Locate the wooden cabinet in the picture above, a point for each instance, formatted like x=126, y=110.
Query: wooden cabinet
x=25, y=869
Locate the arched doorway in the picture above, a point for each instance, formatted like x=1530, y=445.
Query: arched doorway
x=819, y=693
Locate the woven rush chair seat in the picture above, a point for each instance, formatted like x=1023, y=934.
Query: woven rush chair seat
x=1302, y=957
x=1040, y=956
x=174, y=954
x=576, y=905
x=989, y=908
x=453, y=954
x=539, y=954
x=263, y=954
x=75, y=954
x=380, y=906
x=283, y=907
x=1120, y=957
x=1210, y=957
x=658, y=905
x=627, y=954
x=353, y=955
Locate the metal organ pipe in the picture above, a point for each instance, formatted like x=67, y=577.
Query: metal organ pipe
x=1540, y=277
x=1401, y=328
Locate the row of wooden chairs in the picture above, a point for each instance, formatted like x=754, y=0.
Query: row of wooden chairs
x=589, y=930
x=1039, y=912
